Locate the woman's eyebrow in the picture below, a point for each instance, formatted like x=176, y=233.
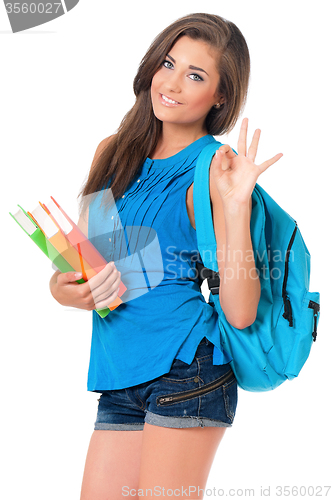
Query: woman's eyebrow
x=191, y=67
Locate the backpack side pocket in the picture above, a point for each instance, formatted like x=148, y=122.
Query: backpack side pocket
x=305, y=333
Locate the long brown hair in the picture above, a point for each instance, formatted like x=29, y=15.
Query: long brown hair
x=140, y=130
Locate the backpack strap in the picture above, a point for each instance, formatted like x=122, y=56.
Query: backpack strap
x=206, y=240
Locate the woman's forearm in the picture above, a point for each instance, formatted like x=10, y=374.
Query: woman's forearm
x=239, y=290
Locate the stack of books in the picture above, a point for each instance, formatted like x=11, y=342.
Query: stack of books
x=64, y=244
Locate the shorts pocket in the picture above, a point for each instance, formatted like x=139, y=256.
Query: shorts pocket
x=179, y=397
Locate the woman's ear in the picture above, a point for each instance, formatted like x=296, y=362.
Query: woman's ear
x=219, y=101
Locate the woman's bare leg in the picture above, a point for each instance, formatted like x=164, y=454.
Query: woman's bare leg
x=112, y=462
x=177, y=459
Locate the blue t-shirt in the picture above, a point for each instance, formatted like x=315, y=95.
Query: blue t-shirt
x=148, y=235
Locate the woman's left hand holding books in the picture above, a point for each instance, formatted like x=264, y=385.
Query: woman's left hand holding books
x=97, y=293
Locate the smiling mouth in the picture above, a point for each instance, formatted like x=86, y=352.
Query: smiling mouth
x=168, y=100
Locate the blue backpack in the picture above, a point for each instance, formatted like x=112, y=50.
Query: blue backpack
x=276, y=346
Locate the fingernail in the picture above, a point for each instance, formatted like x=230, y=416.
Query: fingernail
x=78, y=275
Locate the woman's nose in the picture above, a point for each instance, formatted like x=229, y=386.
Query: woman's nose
x=173, y=82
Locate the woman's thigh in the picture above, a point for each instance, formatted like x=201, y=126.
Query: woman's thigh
x=113, y=461
x=178, y=460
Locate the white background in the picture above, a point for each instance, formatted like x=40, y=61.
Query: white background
x=65, y=86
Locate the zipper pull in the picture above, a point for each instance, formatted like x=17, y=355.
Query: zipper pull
x=164, y=400
x=314, y=333
x=288, y=313
x=316, y=307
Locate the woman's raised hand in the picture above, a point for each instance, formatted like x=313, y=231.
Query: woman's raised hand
x=236, y=174
x=97, y=293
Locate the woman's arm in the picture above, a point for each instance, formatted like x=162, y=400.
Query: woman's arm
x=232, y=180
x=239, y=290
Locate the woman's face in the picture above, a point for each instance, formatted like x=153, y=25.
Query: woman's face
x=185, y=87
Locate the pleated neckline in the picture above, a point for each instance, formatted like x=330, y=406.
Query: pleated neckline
x=178, y=157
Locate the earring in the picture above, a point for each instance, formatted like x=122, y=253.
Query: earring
x=217, y=105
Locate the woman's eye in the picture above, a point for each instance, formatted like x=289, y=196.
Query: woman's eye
x=167, y=64
x=196, y=77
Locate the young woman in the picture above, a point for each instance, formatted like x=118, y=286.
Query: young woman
x=159, y=423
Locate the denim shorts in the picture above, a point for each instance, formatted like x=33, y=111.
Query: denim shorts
x=196, y=395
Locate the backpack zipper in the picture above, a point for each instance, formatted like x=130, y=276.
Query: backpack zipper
x=183, y=396
x=316, y=307
x=288, y=313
